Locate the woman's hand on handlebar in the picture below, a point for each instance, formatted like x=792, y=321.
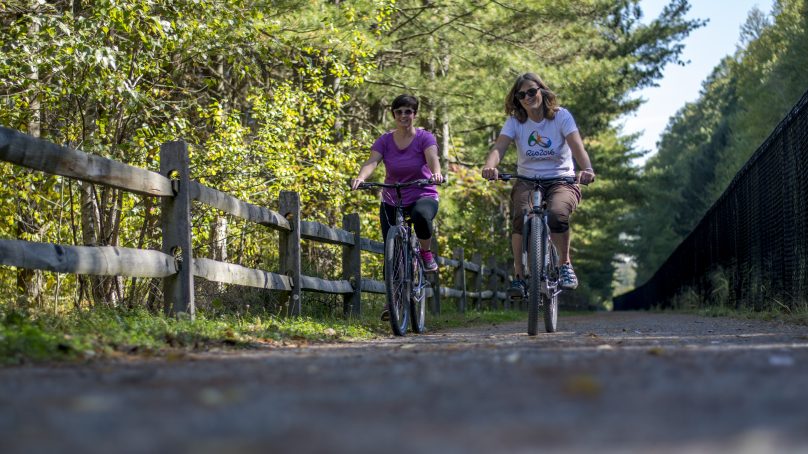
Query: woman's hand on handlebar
x=490, y=173
x=437, y=178
x=586, y=176
x=355, y=183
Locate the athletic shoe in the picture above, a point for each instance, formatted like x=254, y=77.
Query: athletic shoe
x=566, y=277
x=517, y=290
x=429, y=261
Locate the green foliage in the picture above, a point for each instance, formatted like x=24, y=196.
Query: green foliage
x=289, y=94
x=103, y=332
x=593, y=53
x=709, y=140
x=26, y=336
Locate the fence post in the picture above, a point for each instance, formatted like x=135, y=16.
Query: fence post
x=434, y=280
x=493, y=282
x=352, y=266
x=477, y=259
x=289, y=207
x=460, y=278
x=507, y=304
x=175, y=214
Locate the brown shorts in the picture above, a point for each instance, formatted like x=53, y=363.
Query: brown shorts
x=562, y=199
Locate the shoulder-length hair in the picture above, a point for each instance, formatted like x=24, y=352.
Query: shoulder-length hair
x=514, y=108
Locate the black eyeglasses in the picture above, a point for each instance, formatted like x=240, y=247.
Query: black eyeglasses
x=527, y=94
x=404, y=112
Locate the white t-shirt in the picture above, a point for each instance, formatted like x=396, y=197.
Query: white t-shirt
x=542, y=147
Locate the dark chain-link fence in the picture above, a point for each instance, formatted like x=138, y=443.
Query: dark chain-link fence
x=750, y=247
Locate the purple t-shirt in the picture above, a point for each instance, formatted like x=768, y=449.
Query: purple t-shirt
x=406, y=165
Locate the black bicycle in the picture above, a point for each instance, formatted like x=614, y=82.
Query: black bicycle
x=404, y=277
x=539, y=256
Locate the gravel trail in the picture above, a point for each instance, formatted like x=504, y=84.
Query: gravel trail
x=606, y=382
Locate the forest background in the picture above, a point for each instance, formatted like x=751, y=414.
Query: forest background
x=289, y=95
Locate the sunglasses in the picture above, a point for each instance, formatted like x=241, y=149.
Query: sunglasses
x=404, y=112
x=527, y=94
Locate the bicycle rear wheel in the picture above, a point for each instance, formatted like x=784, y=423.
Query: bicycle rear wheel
x=418, y=296
x=550, y=303
x=396, y=281
x=534, y=259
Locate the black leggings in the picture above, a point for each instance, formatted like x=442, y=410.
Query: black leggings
x=422, y=212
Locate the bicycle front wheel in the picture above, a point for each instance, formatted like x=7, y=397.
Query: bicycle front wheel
x=418, y=296
x=550, y=303
x=534, y=259
x=396, y=281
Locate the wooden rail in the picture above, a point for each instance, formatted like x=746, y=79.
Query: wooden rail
x=176, y=265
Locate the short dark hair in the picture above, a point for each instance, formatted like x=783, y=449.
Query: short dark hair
x=405, y=101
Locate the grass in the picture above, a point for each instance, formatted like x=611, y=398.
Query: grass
x=797, y=316
x=103, y=332
x=763, y=305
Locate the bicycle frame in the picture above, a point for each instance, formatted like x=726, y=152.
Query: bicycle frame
x=539, y=257
x=549, y=286
x=414, y=249
x=401, y=279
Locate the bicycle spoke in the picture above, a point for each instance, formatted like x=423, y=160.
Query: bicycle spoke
x=397, y=282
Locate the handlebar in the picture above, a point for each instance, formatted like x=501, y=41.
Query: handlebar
x=420, y=182
x=542, y=181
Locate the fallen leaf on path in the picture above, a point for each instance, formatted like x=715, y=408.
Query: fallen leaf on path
x=582, y=386
x=214, y=397
x=656, y=351
x=175, y=356
x=92, y=403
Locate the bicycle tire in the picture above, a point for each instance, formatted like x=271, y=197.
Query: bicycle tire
x=550, y=303
x=397, y=283
x=418, y=296
x=534, y=261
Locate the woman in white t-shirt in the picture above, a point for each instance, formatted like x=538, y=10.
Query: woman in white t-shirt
x=547, y=141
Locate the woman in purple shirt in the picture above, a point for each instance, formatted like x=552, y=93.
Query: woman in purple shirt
x=408, y=153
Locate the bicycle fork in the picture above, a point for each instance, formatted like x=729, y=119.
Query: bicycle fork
x=547, y=287
x=415, y=250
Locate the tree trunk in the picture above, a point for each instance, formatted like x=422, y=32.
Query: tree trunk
x=218, y=243
x=106, y=290
x=30, y=282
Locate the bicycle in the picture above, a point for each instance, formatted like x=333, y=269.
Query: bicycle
x=542, y=274
x=404, y=276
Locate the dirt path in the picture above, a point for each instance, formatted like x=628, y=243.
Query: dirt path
x=610, y=382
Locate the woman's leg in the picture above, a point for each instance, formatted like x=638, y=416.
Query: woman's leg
x=562, y=199
x=387, y=217
x=423, y=212
x=520, y=204
x=516, y=247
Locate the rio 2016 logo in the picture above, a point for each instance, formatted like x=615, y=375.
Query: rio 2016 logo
x=537, y=139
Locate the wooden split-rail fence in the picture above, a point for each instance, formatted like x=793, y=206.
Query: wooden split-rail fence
x=474, y=282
